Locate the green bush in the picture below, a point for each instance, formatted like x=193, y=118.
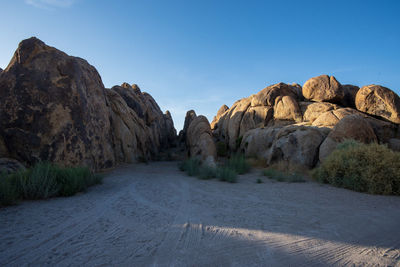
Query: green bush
x=73, y=180
x=39, y=182
x=282, y=176
x=207, y=173
x=8, y=190
x=191, y=166
x=45, y=180
x=222, y=150
x=226, y=174
x=238, y=163
x=370, y=168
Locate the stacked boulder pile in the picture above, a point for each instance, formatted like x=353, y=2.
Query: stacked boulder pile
x=303, y=125
x=54, y=107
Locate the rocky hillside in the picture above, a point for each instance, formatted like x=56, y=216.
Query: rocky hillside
x=303, y=125
x=54, y=107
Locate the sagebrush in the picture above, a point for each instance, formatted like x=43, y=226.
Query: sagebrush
x=370, y=168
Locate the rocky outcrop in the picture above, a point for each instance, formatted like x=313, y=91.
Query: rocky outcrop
x=350, y=127
x=220, y=112
x=379, y=101
x=287, y=108
x=278, y=124
x=200, y=141
x=54, y=107
x=190, y=116
x=323, y=88
x=297, y=144
x=332, y=117
x=267, y=96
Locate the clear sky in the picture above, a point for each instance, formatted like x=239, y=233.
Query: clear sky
x=202, y=54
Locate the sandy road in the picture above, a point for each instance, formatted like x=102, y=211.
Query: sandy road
x=154, y=215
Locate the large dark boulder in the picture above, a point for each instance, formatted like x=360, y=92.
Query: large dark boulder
x=53, y=107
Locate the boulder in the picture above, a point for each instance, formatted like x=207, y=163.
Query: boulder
x=349, y=99
x=350, y=127
x=323, y=88
x=53, y=107
x=297, y=144
x=331, y=118
x=312, y=110
x=255, y=117
x=220, y=112
x=267, y=96
x=190, y=116
x=231, y=126
x=379, y=101
x=257, y=142
x=132, y=139
x=287, y=108
x=8, y=165
x=199, y=140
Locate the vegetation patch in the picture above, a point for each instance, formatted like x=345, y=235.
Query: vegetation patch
x=370, y=168
x=286, y=172
x=45, y=180
x=226, y=172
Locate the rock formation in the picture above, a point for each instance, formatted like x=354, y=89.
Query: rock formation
x=379, y=101
x=54, y=107
x=278, y=124
x=199, y=140
x=323, y=89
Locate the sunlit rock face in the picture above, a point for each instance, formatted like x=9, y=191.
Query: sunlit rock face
x=302, y=124
x=379, y=101
x=54, y=107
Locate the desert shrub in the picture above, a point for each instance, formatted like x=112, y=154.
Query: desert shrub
x=77, y=179
x=370, y=168
x=191, y=166
x=207, y=172
x=238, y=163
x=45, y=180
x=39, y=182
x=222, y=150
x=282, y=176
x=284, y=171
x=226, y=174
x=8, y=190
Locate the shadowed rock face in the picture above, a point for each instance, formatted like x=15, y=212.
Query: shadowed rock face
x=54, y=107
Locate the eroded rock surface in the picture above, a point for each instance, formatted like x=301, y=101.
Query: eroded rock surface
x=54, y=107
x=323, y=88
x=379, y=101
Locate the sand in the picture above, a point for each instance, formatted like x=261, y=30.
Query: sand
x=154, y=215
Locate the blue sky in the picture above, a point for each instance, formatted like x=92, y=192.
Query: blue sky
x=202, y=54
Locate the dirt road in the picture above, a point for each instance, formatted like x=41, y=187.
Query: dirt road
x=154, y=215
